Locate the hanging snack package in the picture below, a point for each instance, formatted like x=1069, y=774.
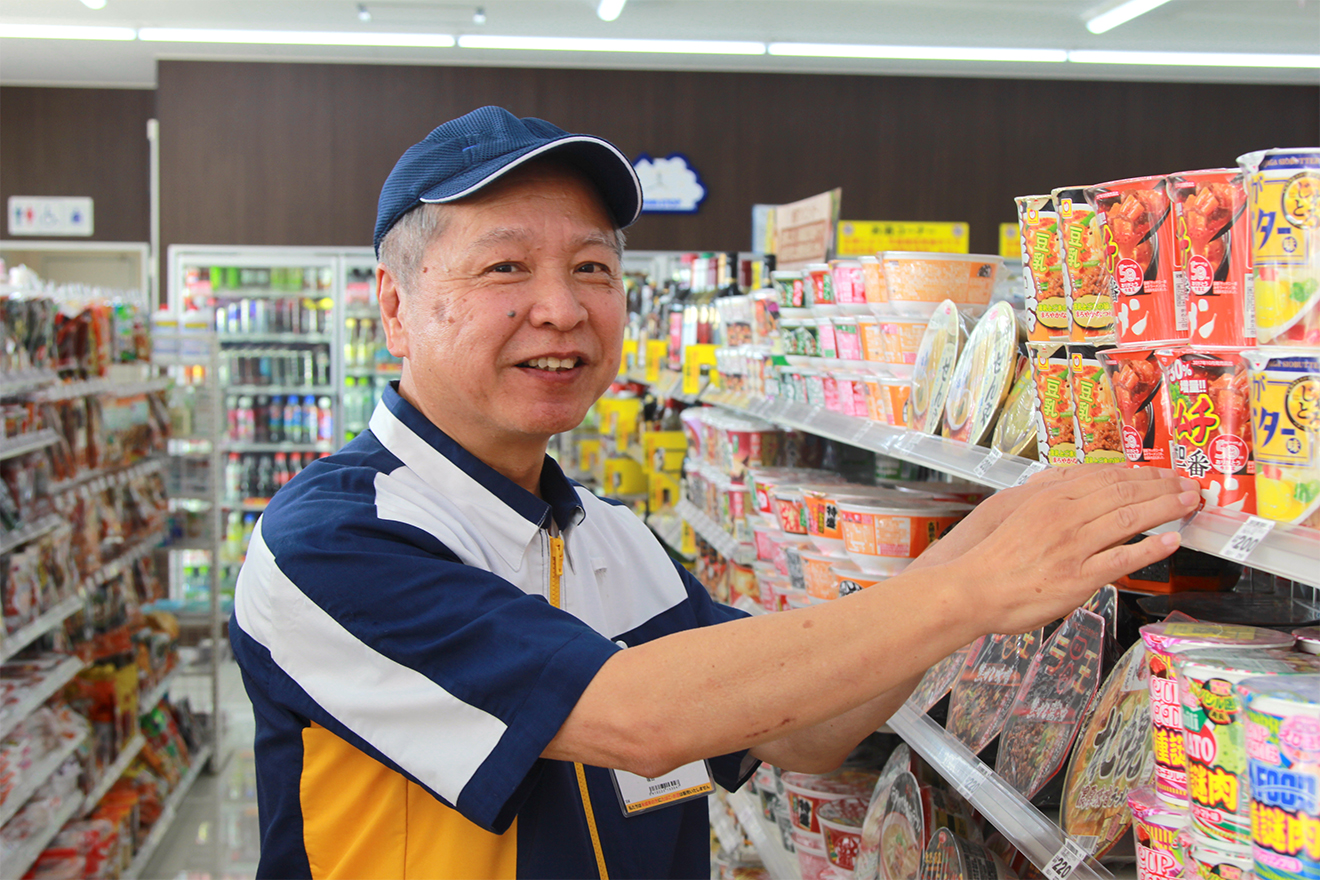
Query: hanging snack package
x=1113, y=756
x=1163, y=640
x=1285, y=253
x=940, y=677
x=932, y=373
x=982, y=377
x=1141, y=399
x=1056, y=443
x=1042, y=269
x=1215, y=736
x=1099, y=430
x=1283, y=762
x=1285, y=408
x=1049, y=709
x=1015, y=432
x=1209, y=418
x=987, y=686
x=1137, y=226
x=1085, y=284
x=1213, y=250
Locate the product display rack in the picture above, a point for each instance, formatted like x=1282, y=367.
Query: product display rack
x=50, y=685
x=38, y=775
x=30, y=851
x=764, y=836
x=169, y=812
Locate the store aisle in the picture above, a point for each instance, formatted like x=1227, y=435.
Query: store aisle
x=215, y=836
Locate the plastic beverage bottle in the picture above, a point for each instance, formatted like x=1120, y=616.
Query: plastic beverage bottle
x=310, y=425
x=233, y=477
x=276, y=420
x=325, y=419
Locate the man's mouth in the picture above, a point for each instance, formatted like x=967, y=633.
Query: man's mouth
x=552, y=364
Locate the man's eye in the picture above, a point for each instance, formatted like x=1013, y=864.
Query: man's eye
x=503, y=267
x=593, y=267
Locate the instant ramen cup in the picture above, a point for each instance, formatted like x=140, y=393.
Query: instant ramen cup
x=849, y=285
x=820, y=581
x=913, y=813
x=1056, y=428
x=883, y=537
x=790, y=285
x=1283, y=762
x=950, y=857
x=918, y=281
x=1042, y=269
x=1308, y=639
x=820, y=284
x=1142, y=400
x=849, y=578
x=895, y=396
x=873, y=280
x=870, y=338
x=1285, y=213
x=1212, y=272
x=1156, y=827
x=763, y=481
x=932, y=374
x=902, y=338
x=1209, y=418
x=1096, y=420
x=982, y=377
x=1209, y=859
x=791, y=509
x=807, y=793
x=847, y=338
x=1285, y=406
x=841, y=827
x=1015, y=432
x=1085, y=284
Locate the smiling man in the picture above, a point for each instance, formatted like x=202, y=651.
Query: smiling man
x=464, y=665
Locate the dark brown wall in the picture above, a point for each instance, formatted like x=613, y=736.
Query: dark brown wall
x=80, y=142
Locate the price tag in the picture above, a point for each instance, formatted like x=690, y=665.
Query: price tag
x=657, y=352
x=983, y=466
x=1068, y=857
x=1245, y=539
x=975, y=779
x=694, y=358
x=1034, y=468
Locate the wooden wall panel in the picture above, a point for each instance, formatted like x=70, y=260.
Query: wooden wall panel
x=80, y=142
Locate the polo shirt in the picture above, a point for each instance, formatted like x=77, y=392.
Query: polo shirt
x=393, y=624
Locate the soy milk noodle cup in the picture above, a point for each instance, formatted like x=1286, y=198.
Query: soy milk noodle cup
x=1285, y=407
x=1283, y=759
x=1056, y=438
x=1284, y=190
x=1163, y=640
x=1156, y=827
x=1085, y=285
x=1042, y=269
x=1212, y=243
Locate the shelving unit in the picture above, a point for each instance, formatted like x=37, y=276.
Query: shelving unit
x=169, y=812
x=47, y=621
x=764, y=837
x=29, y=532
x=25, y=443
x=113, y=772
x=25, y=857
x=49, y=686
x=40, y=772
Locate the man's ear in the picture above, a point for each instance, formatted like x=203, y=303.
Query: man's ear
x=391, y=304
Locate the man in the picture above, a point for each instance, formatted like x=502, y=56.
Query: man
x=463, y=665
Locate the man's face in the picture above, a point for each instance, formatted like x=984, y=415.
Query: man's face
x=514, y=323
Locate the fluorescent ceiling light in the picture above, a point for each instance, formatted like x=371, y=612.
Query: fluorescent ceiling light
x=588, y=44
x=65, y=32
x=1194, y=59
x=293, y=38
x=1123, y=12
x=608, y=10
x=918, y=53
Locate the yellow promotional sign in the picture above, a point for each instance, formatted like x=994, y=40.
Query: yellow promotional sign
x=629, y=359
x=1010, y=241
x=657, y=351
x=694, y=357
x=863, y=237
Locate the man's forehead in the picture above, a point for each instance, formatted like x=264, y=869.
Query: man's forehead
x=498, y=235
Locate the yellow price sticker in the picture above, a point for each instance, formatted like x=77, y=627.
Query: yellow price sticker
x=694, y=358
x=629, y=359
x=657, y=351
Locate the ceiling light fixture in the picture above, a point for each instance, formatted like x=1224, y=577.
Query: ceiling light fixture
x=1120, y=14
x=94, y=4
x=294, y=38
x=919, y=53
x=65, y=32
x=608, y=10
x=479, y=17
x=591, y=44
x=364, y=14
x=1194, y=59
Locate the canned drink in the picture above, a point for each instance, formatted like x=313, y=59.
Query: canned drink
x=1285, y=408
x=1042, y=269
x=1213, y=249
x=1085, y=285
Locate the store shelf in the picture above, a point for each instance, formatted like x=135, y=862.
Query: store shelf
x=40, y=772
x=48, y=687
x=21, y=860
x=29, y=532
x=1029, y=830
x=20, y=383
x=390, y=372
x=1287, y=551
x=100, y=479
x=668, y=527
x=113, y=772
x=242, y=338
x=240, y=446
x=281, y=390
x=169, y=812
x=47, y=621
x=765, y=838
x=148, y=700
x=710, y=531
x=100, y=387
x=139, y=549
x=30, y=442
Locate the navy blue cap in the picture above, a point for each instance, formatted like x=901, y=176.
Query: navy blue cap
x=463, y=155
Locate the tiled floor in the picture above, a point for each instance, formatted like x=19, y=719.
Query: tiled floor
x=214, y=835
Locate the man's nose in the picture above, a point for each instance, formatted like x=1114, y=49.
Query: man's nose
x=558, y=303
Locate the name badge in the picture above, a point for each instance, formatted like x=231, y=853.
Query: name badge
x=640, y=794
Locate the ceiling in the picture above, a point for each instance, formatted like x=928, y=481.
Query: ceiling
x=1236, y=26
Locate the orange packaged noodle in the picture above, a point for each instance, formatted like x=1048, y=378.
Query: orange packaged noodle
x=1143, y=403
x=1213, y=247
x=1042, y=269
x=1086, y=286
x=1095, y=413
x=1056, y=438
x=1137, y=231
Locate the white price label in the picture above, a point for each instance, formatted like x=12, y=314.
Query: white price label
x=1245, y=539
x=976, y=777
x=1034, y=468
x=983, y=466
x=1068, y=857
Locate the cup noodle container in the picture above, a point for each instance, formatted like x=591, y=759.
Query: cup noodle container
x=917, y=281
x=1163, y=640
x=849, y=285
x=791, y=287
x=1285, y=407
x=889, y=399
x=932, y=374
x=1096, y=420
x=874, y=288
x=1056, y=430
x=807, y=793
x=1308, y=639
x=824, y=523
x=902, y=338
x=1137, y=226
x=764, y=480
x=871, y=339
x=820, y=581
x=1212, y=245
x=820, y=284
x=1085, y=283
x=1208, y=859
x=1142, y=400
x=849, y=578
x=1283, y=761
x=1209, y=398
x=913, y=812
x=950, y=857
x=1042, y=269
x=847, y=338
x=1214, y=735
x=841, y=828
x=829, y=344
x=1156, y=827
x=1284, y=190
x=883, y=538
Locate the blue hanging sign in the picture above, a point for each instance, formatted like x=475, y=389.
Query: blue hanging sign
x=670, y=185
